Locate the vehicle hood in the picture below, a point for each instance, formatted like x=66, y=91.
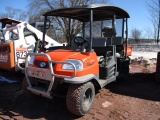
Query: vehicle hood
x=61, y=55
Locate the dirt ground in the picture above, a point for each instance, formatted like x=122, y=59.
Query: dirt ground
x=136, y=97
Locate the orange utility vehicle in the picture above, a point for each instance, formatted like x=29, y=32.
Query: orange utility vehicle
x=87, y=63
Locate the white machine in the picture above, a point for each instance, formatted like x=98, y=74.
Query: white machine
x=19, y=39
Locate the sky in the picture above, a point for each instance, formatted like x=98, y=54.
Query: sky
x=137, y=9
x=21, y=4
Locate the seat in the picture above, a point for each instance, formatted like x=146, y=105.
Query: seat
x=109, y=32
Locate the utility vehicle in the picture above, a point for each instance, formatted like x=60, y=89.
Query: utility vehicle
x=19, y=38
x=87, y=63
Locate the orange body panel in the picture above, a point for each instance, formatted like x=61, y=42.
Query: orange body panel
x=90, y=62
x=7, y=59
x=129, y=50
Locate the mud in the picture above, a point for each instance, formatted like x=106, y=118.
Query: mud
x=135, y=97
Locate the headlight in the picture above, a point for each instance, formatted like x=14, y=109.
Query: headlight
x=78, y=64
x=31, y=60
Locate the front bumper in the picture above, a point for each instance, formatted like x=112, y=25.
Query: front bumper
x=44, y=74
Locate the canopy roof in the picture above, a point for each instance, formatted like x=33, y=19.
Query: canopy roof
x=10, y=21
x=82, y=12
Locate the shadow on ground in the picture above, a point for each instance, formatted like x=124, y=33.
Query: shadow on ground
x=14, y=104
x=138, y=85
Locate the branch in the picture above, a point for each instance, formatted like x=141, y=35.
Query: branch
x=48, y=3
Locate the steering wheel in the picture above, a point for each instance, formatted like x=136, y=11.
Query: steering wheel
x=79, y=41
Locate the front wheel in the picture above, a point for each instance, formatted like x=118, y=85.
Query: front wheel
x=24, y=88
x=80, y=98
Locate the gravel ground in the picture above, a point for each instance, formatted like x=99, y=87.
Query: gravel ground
x=147, y=55
x=137, y=97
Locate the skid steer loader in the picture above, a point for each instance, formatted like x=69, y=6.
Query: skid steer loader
x=19, y=38
x=87, y=63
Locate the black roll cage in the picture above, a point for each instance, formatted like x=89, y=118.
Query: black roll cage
x=90, y=13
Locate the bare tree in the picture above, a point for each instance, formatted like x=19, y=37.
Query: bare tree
x=38, y=7
x=15, y=13
x=148, y=33
x=136, y=35
x=153, y=9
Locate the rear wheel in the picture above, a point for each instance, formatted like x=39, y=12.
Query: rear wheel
x=80, y=98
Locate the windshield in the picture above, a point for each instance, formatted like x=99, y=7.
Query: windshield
x=119, y=27
x=99, y=25
x=50, y=31
x=13, y=34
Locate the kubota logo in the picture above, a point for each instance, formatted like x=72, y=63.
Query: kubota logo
x=42, y=64
x=3, y=58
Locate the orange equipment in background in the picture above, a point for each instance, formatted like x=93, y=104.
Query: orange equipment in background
x=7, y=60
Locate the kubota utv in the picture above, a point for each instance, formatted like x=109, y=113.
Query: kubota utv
x=87, y=63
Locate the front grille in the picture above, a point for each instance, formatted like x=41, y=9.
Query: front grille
x=41, y=64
